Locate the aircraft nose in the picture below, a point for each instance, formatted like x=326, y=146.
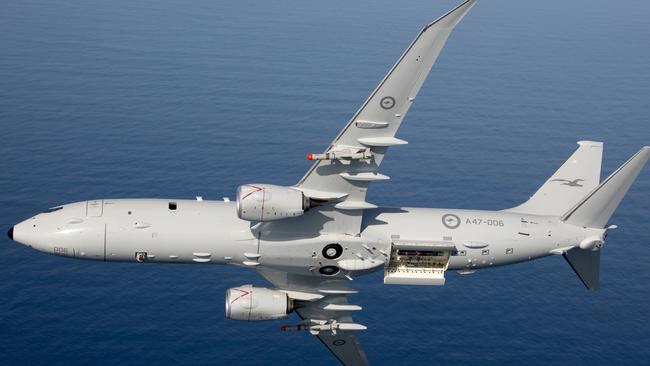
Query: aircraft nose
x=11, y=233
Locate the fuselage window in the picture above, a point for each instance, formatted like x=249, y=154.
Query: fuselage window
x=172, y=205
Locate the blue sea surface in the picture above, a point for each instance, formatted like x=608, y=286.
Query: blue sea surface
x=106, y=99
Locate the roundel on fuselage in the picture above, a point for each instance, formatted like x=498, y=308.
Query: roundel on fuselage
x=451, y=221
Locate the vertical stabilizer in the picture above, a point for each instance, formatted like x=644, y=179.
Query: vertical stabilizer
x=597, y=207
x=575, y=179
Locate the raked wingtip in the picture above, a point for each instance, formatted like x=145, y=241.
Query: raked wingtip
x=468, y=4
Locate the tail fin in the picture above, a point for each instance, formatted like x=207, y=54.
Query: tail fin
x=574, y=180
x=595, y=209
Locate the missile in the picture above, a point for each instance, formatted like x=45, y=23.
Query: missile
x=316, y=326
x=343, y=154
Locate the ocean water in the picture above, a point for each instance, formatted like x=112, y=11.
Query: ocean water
x=164, y=98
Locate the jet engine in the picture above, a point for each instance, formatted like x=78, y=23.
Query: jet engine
x=265, y=202
x=257, y=303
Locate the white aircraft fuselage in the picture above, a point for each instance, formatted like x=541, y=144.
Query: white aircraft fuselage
x=310, y=239
x=210, y=232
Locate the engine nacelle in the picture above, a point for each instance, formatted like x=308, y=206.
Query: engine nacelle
x=265, y=202
x=257, y=303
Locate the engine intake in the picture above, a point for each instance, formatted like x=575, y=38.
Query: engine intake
x=265, y=202
x=256, y=303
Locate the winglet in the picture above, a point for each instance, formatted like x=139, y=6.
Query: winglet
x=452, y=20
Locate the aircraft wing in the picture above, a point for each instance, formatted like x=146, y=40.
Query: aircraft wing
x=344, y=345
x=325, y=312
x=343, y=172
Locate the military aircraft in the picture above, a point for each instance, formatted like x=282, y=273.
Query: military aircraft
x=310, y=239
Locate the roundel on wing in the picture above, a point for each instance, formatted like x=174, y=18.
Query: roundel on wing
x=387, y=102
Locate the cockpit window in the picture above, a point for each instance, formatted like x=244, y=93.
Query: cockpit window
x=52, y=209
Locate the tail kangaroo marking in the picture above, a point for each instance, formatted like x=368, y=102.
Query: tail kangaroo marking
x=570, y=183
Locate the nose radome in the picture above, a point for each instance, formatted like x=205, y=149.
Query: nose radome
x=11, y=233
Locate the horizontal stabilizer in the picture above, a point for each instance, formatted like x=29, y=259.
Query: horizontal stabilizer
x=597, y=207
x=572, y=181
x=586, y=264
